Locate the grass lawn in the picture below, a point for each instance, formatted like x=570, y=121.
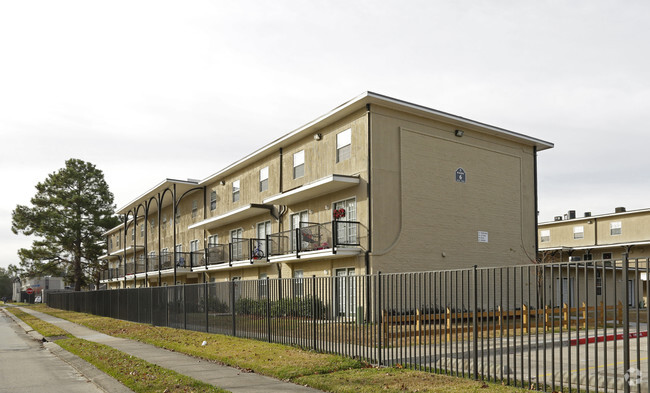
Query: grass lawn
x=331, y=373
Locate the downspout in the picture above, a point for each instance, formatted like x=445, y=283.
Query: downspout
x=368, y=191
x=367, y=254
x=536, y=205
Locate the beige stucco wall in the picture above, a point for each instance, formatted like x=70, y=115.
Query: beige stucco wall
x=422, y=219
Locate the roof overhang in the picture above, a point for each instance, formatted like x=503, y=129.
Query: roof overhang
x=595, y=247
x=360, y=103
x=248, y=211
x=314, y=189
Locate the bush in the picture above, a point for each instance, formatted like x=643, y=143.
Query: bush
x=288, y=307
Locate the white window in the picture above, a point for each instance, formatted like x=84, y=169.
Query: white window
x=142, y=229
x=117, y=238
x=152, y=222
x=235, y=191
x=579, y=232
x=299, y=164
x=343, y=145
x=599, y=283
x=180, y=258
x=298, y=284
x=615, y=228
x=213, y=200
x=346, y=211
x=236, y=236
x=264, y=179
x=110, y=243
x=263, y=288
x=194, y=250
x=195, y=208
x=545, y=235
x=298, y=220
x=133, y=233
x=259, y=248
x=213, y=240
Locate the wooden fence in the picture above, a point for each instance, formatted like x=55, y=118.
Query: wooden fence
x=451, y=323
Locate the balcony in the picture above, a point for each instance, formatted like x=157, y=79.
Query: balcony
x=333, y=239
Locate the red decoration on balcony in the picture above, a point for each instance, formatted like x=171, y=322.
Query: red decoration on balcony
x=338, y=213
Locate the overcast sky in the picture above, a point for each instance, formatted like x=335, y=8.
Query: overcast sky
x=160, y=89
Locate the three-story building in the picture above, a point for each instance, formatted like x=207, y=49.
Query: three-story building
x=377, y=184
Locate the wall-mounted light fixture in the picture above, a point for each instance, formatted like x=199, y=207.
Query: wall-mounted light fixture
x=318, y=137
x=459, y=133
x=223, y=183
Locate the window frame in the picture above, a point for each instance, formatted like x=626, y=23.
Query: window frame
x=264, y=181
x=344, y=146
x=213, y=200
x=236, y=190
x=615, y=228
x=195, y=208
x=545, y=236
x=299, y=164
x=578, y=234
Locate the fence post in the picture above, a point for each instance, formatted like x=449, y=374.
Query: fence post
x=379, y=314
x=626, y=320
x=232, y=306
x=313, y=308
x=205, y=305
x=184, y=307
x=475, y=324
x=268, y=308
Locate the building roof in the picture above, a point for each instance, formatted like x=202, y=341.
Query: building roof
x=358, y=103
x=605, y=215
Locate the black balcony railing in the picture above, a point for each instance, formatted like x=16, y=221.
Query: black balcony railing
x=314, y=237
x=166, y=261
x=218, y=254
x=140, y=266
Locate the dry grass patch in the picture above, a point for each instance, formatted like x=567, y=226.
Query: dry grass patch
x=397, y=380
x=136, y=374
x=276, y=360
x=44, y=328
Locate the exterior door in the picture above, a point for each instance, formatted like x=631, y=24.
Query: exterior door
x=194, y=250
x=565, y=291
x=236, y=236
x=297, y=220
x=263, y=229
x=345, y=290
x=346, y=232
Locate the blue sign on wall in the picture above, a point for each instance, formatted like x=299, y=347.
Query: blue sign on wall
x=460, y=175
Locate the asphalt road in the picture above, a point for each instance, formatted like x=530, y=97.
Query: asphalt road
x=26, y=365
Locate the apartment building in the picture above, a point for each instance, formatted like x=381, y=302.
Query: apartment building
x=377, y=184
x=595, y=237
x=600, y=240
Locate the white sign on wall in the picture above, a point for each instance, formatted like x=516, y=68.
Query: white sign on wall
x=482, y=237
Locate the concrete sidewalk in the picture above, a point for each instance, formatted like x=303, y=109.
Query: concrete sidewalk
x=209, y=372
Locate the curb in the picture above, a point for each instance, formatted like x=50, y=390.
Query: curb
x=603, y=338
x=102, y=380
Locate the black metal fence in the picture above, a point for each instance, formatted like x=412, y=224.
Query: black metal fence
x=550, y=327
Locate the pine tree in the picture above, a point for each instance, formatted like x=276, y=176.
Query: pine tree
x=69, y=213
